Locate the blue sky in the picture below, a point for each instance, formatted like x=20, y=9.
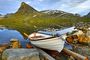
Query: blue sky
x=73, y=6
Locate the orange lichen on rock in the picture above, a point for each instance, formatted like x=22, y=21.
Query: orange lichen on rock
x=83, y=39
x=28, y=46
x=79, y=38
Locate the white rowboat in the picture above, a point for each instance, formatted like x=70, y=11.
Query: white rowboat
x=47, y=41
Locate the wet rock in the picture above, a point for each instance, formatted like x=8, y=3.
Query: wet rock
x=83, y=50
x=20, y=54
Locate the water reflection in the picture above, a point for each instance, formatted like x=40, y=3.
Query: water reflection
x=6, y=35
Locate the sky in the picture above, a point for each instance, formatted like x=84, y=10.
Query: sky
x=81, y=7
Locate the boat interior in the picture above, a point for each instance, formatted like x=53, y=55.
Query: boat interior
x=38, y=36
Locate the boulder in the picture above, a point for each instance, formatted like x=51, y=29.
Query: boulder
x=83, y=50
x=20, y=54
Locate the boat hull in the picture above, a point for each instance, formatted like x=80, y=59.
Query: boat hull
x=55, y=43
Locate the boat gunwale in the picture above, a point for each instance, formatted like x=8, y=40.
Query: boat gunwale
x=42, y=39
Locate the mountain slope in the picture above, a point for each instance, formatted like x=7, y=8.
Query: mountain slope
x=88, y=15
x=26, y=9
x=27, y=19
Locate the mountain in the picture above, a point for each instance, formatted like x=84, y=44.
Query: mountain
x=88, y=15
x=26, y=9
x=27, y=19
x=52, y=11
x=0, y=14
x=59, y=14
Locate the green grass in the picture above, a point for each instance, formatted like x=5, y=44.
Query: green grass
x=24, y=21
x=26, y=24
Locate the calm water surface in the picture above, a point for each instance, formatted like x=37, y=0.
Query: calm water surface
x=6, y=35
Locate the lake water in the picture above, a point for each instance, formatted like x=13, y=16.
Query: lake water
x=6, y=35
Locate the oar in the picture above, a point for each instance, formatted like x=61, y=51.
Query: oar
x=28, y=45
x=75, y=55
x=26, y=34
x=69, y=52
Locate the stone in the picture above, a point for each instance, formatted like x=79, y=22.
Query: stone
x=20, y=54
x=83, y=50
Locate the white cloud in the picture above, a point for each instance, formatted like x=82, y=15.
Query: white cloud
x=28, y=2
x=74, y=7
x=72, y=3
x=84, y=5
